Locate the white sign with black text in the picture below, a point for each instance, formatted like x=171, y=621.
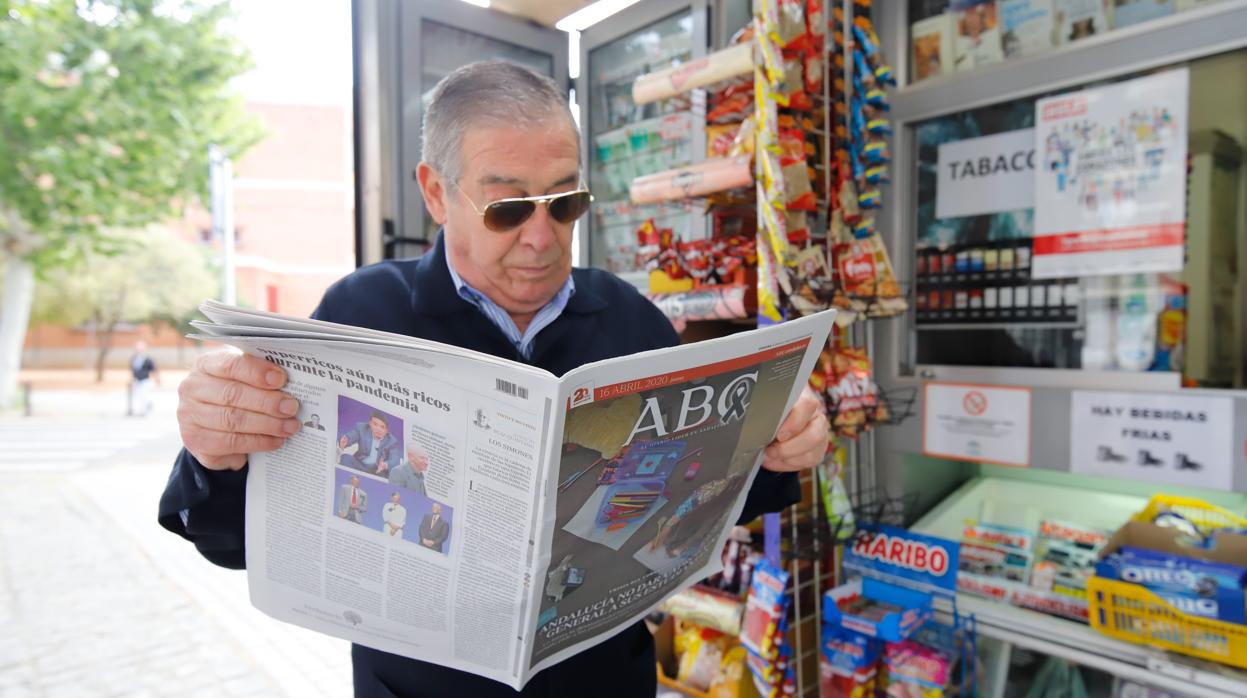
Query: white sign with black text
x=990, y=174
x=980, y=423
x=1170, y=439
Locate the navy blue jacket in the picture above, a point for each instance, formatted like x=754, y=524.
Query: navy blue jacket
x=605, y=318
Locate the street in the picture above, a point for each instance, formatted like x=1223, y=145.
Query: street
x=96, y=599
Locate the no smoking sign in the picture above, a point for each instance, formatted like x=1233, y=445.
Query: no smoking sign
x=975, y=403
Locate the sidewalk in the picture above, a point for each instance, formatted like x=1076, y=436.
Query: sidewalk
x=97, y=600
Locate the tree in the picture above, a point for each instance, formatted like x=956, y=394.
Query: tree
x=107, y=108
x=152, y=276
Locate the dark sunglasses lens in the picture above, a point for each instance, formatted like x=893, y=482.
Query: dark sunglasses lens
x=505, y=215
x=569, y=207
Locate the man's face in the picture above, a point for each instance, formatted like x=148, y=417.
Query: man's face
x=394, y=498
x=379, y=428
x=354, y=481
x=437, y=509
x=419, y=461
x=523, y=268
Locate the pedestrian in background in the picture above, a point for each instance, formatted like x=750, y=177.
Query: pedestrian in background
x=142, y=372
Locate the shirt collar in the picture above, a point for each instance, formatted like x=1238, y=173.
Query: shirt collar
x=432, y=282
x=468, y=293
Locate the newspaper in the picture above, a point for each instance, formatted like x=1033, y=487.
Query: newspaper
x=485, y=515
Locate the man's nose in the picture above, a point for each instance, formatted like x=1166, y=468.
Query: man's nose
x=538, y=231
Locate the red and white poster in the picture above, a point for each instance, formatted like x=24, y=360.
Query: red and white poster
x=1111, y=195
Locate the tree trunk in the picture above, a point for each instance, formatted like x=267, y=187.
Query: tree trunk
x=106, y=339
x=101, y=355
x=19, y=292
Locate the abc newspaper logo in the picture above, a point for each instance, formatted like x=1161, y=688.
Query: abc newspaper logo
x=582, y=394
x=903, y=552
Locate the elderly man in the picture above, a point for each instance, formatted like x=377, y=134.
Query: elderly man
x=410, y=473
x=501, y=175
x=352, y=501
x=433, y=529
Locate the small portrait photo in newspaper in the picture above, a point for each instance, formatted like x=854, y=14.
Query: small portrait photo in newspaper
x=370, y=439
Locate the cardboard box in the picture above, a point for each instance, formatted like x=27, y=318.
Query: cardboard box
x=1223, y=603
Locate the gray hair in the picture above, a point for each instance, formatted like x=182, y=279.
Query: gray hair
x=494, y=92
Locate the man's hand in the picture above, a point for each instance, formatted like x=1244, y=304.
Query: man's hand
x=382, y=466
x=230, y=405
x=802, y=439
x=342, y=442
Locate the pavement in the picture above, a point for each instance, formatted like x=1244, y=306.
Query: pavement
x=95, y=598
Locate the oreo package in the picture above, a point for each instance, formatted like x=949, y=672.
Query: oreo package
x=1195, y=587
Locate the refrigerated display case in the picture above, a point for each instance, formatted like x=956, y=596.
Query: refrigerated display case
x=623, y=140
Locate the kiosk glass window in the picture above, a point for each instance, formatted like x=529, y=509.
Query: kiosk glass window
x=984, y=290
x=627, y=140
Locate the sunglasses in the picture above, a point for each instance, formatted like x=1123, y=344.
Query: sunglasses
x=508, y=214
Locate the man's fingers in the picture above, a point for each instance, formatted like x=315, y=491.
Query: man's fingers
x=255, y=372
x=230, y=393
x=801, y=451
x=804, y=408
x=237, y=419
x=212, y=443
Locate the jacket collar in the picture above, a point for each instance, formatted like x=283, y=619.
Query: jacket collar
x=433, y=291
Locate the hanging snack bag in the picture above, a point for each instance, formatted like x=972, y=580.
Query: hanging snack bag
x=765, y=610
x=797, y=188
x=852, y=394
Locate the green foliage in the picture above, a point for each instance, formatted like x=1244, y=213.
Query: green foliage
x=151, y=276
x=107, y=108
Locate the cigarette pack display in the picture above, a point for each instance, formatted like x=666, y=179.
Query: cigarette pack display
x=1079, y=19
x=977, y=40
x=932, y=42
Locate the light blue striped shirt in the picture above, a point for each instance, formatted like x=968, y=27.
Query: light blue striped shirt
x=502, y=319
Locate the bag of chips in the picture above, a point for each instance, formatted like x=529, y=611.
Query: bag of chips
x=797, y=188
x=852, y=395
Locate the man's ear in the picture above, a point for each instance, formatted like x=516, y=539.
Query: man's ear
x=433, y=189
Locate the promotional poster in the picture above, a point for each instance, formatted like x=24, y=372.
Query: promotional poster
x=1111, y=198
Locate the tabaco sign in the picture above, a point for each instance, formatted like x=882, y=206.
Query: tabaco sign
x=897, y=555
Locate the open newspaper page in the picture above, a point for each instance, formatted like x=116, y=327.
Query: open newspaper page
x=401, y=515
x=657, y=455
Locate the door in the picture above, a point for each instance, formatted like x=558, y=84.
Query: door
x=402, y=49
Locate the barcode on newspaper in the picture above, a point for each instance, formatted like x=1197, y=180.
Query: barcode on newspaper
x=511, y=389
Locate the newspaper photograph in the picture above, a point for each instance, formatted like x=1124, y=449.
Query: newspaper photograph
x=484, y=515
